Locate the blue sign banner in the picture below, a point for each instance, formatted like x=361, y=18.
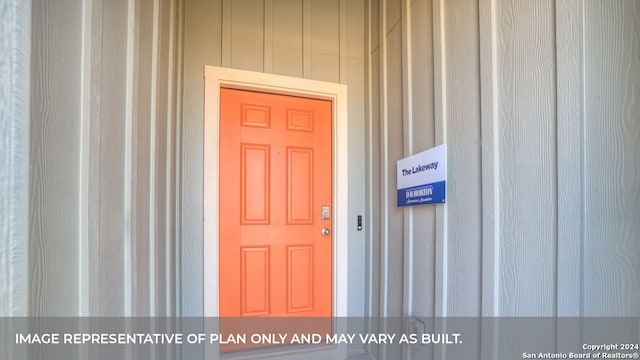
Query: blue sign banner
x=422, y=178
x=423, y=195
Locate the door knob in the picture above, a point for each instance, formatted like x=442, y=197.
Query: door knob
x=326, y=231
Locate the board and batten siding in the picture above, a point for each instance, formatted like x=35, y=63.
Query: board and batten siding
x=15, y=55
x=102, y=156
x=538, y=103
x=311, y=39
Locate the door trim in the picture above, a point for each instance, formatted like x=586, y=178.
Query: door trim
x=217, y=77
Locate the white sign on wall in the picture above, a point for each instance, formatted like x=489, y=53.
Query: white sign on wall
x=422, y=178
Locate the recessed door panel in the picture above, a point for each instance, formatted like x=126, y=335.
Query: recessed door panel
x=300, y=120
x=255, y=167
x=299, y=279
x=299, y=186
x=255, y=281
x=255, y=115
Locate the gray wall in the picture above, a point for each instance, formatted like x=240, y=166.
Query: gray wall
x=536, y=100
x=313, y=39
x=14, y=157
x=115, y=168
x=102, y=134
x=538, y=104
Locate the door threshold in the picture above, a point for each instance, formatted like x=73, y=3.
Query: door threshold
x=320, y=351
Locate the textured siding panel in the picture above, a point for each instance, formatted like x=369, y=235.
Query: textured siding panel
x=110, y=247
x=423, y=137
x=202, y=46
x=54, y=157
x=569, y=21
x=101, y=113
x=286, y=37
x=15, y=55
x=393, y=133
x=612, y=159
x=528, y=157
x=373, y=223
x=324, y=42
x=246, y=35
x=464, y=162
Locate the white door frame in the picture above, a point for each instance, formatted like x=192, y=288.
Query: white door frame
x=217, y=77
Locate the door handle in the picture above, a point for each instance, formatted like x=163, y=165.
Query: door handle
x=326, y=232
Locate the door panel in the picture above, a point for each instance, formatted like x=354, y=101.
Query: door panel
x=299, y=186
x=254, y=194
x=255, y=281
x=275, y=175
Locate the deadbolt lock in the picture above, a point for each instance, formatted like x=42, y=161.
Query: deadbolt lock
x=326, y=212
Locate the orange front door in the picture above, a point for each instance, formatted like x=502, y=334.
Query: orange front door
x=275, y=178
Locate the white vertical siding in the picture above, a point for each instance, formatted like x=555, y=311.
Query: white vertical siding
x=54, y=157
x=202, y=46
x=101, y=109
x=14, y=158
x=243, y=34
x=463, y=137
x=422, y=136
x=283, y=37
x=373, y=184
x=372, y=161
x=570, y=129
x=392, y=136
x=527, y=135
x=611, y=163
x=537, y=102
x=352, y=59
x=113, y=207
